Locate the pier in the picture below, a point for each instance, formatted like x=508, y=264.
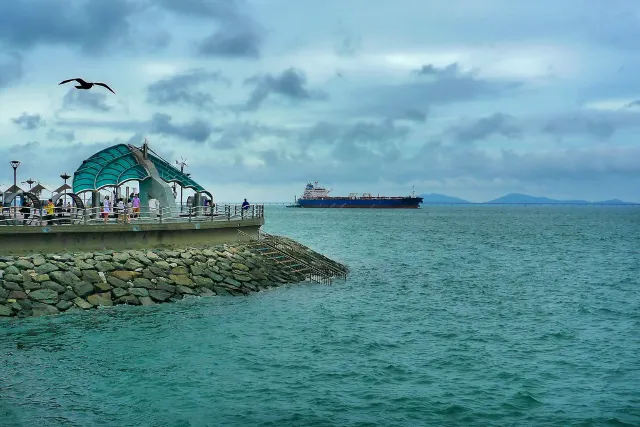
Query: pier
x=83, y=229
x=68, y=224
x=57, y=257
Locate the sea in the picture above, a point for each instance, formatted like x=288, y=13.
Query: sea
x=450, y=316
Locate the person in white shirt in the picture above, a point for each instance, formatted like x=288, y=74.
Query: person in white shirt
x=106, y=209
x=120, y=210
x=127, y=210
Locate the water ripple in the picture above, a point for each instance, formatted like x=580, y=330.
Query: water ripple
x=452, y=316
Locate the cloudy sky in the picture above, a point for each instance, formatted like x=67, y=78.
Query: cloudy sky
x=470, y=98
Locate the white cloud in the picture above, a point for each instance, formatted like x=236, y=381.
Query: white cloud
x=615, y=104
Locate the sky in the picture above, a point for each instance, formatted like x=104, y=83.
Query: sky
x=469, y=98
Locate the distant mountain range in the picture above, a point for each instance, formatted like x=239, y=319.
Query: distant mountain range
x=516, y=198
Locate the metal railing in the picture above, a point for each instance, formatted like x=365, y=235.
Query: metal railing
x=320, y=274
x=17, y=217
x=320, y=261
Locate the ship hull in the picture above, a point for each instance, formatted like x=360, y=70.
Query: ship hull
x=373, y=203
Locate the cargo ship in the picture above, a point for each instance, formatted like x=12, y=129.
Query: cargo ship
x=316, y=196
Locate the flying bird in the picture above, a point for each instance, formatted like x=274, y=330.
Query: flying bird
x=86, y=85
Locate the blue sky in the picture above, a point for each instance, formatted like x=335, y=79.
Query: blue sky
x=471, y=98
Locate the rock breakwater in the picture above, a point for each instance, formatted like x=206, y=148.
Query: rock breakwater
x=42, y=284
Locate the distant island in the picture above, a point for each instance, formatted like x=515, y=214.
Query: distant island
x=516, y=198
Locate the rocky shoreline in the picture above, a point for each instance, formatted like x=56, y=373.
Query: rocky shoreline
x=44, y=284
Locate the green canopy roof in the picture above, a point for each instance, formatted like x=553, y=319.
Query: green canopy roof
x=116, y=165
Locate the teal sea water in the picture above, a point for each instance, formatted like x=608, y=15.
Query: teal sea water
x=469, y=316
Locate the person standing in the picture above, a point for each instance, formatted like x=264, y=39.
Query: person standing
x=127, y=210
x=135, y=203
x=106, y=209
x=50, y=208
x=245, y=207
x=59, y=207
x=120, y=213
x=26, y=211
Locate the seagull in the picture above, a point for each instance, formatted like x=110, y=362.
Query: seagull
x=85, y=85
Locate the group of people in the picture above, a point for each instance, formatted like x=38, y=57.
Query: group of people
x=210, y=206
x=123, y=211
x=50, y=210
x=60, y=208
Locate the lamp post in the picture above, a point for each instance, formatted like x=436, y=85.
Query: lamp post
x=30, y=182
x=14, y=165
x=65, y=177
x=182, y=163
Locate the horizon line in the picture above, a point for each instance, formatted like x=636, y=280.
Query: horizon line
x=469, y=203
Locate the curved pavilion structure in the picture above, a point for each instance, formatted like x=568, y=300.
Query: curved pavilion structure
x=121, y=163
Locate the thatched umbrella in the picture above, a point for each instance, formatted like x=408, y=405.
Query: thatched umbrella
x=62, y=188
x=14, y=189
x=37, y=189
